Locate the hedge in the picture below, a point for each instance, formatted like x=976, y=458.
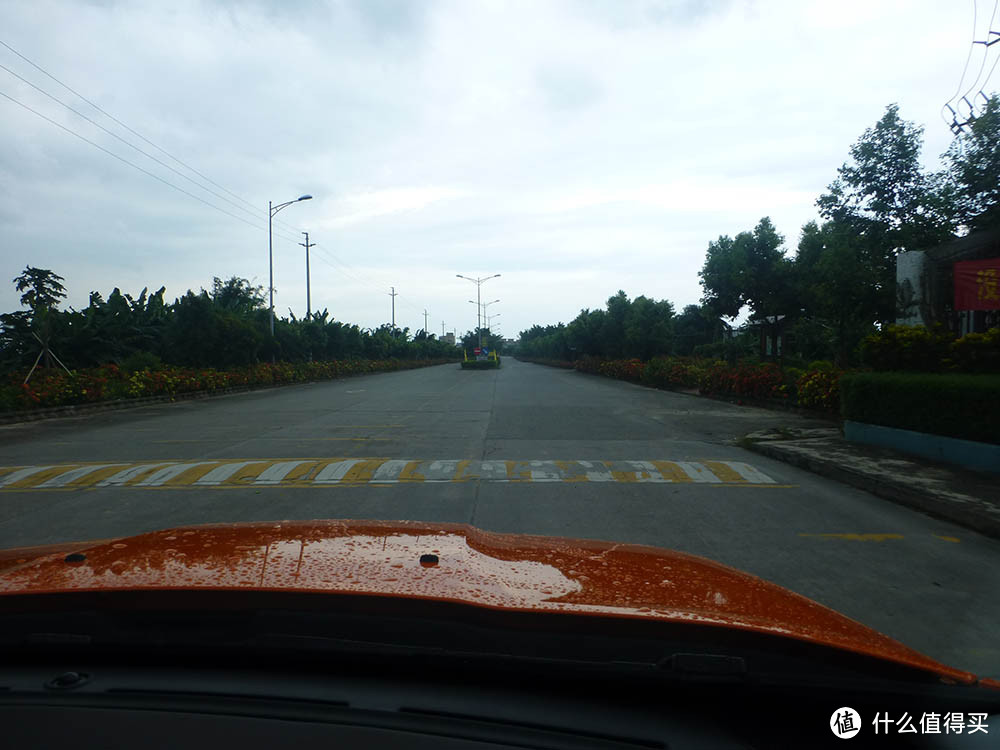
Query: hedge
x=110, y=383
x=481, y=364
x=953, y=405
x=815, y=388
x=899, y=348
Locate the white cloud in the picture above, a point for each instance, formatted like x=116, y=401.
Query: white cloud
x=576, y=146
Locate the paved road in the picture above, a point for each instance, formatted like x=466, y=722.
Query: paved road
x=523, y=449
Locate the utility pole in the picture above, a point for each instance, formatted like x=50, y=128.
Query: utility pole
x=307, y=244
x=393, y=293
x=479, y=301
x=425, y=320
x=442, y=329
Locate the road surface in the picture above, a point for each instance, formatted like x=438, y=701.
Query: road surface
x=524, y=449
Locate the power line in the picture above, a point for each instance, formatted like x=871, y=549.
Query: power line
x=957, y=127
x=137, y=167
x=346, y=270
x=968, y=58
x=131, y=164
x=130, y=130
x=986, y=50
x=127, y=143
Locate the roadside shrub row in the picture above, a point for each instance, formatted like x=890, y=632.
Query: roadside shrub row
x=109, y=383
x=954, y=405
x=918, y=349
x=815, y=388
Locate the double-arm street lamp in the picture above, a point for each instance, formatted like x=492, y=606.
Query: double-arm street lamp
x=271, y=211
x=479, y=311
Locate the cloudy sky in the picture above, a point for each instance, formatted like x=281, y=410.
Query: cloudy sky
x=576, y=147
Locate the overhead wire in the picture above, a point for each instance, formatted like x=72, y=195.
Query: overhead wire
x=968, y=58
x=129, y=129
x=344, y=269
x=986, y=53
x=130, y=145
x=129, y=163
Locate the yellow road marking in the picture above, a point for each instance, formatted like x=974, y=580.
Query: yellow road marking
x=671, y=471
x=250, y=471
x=97, y=476
x=234, y=472
x=409, y=473
x=952, y=539
x=460, y=469
x=362, y=472
x=41, y=476
x=566, y=467
x=858, y=537
x=513, y=475
x=724, y=473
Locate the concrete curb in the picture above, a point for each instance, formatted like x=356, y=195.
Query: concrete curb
x=772, y=405
x=966, y=514
x=76, y=410
x=73, y=410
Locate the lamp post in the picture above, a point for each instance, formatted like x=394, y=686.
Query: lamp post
x=271, y=211
x=489, y=326
x=479, y=283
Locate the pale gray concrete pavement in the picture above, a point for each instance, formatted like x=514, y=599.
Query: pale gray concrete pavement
x=927, y=582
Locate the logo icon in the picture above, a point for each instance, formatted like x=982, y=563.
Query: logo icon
x=845, y=722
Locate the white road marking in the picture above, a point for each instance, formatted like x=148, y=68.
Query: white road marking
x=161, y=477
x=277, y=472
x=389, y=471
x=220, y=474
x=697, y=472
x=334, y=472
x=749, y=473
x=17, y=476
x=72, y=475
x=126, y=475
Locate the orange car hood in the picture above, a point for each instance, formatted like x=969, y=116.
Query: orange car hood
x=511, y=572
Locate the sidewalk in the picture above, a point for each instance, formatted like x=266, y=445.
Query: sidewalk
x=962, y=497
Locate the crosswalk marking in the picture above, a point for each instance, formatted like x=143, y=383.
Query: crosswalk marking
x=335, y=471
x=276, y=472
x=220, y=474
x=68, y=477
x=164, y=475
x=307, y=472
x=127, y=475
x=19, y=474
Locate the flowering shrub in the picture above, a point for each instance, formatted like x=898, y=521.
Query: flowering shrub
x=819, y=389
x=919, y=349
x=57, y=388
x=673, y=372
x=623, y=369
x=761, y=381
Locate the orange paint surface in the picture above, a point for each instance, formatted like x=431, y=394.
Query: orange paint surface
x=512, y=572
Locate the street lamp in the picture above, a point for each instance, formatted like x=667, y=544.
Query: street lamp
x=479, y=284
x=271, y=211
x=489, y=326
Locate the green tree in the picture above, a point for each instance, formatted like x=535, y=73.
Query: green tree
x=748, y=270
x=883, y=196
x=838, y=285
x=42, y=289
x=974, y=166
x=693, y=327
x=649, y=328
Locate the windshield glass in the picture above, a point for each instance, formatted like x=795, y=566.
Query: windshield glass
x=717, y=277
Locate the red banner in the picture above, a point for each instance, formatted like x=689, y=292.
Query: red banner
x=977, y=284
